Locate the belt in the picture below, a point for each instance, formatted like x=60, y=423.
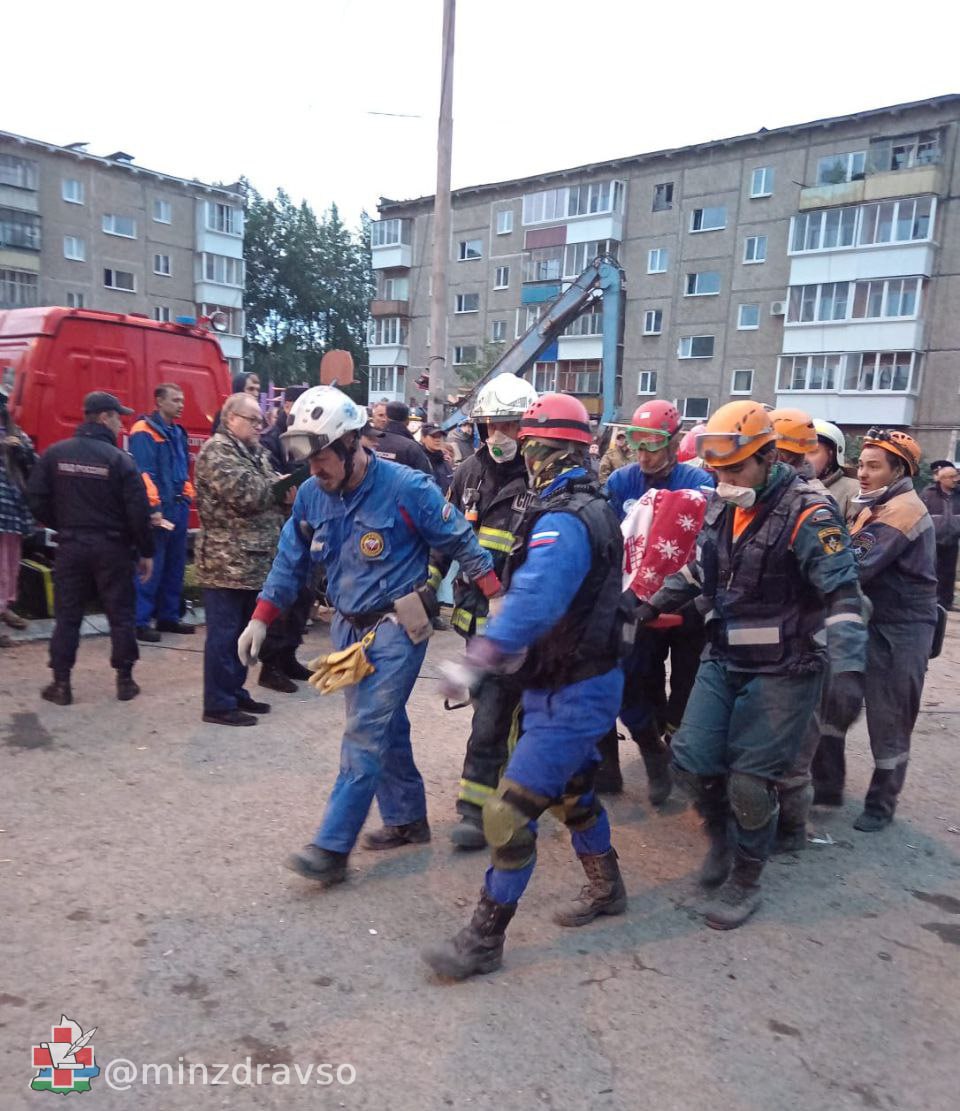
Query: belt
x=366, y=619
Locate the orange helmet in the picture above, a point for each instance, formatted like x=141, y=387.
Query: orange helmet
x=896, y=443
x=736, y=431
x=795, y=431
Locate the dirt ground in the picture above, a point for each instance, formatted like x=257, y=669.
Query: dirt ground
x=143, y=893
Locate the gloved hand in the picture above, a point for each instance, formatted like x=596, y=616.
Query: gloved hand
x=646, y=613
x=458, y=680
x=485, y=656
x=845, y=698
x=251, y=641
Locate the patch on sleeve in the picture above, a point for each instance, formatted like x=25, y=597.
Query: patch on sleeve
x=822, y=515
x=831, y=539
x=543, y=539
x=447, y=512
x=861, y=543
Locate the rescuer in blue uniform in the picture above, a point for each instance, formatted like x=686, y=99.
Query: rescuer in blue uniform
x=560, y=627
x=371, y=523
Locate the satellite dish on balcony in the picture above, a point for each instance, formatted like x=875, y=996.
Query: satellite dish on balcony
x=336, y=369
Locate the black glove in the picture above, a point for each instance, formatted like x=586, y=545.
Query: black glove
x=636, y=611
x=845, y=698
x=646, y=613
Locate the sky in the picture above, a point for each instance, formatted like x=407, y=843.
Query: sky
x=336, y=101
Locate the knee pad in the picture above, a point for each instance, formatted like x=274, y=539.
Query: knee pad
x=506, y=825
x=753, y=800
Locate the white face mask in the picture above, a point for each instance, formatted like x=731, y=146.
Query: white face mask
x=743, y=497
x=502, y=449
x=865, y=497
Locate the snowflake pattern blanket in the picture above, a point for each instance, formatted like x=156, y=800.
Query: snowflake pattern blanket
x=659, y=537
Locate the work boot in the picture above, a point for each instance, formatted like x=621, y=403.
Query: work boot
x=739, y=897
x=714, y=807
x=126, y=687
x=795, y=803
x=881, y=800
x=869, y=822
x=656, y=759
x=392, y=837
x=477, y=948
x=251, y=705
x=826, y=796
x=608, y=779
x=229, y=717
x=468, y=833
x=58, y=692
x=603, y=894
x=148, y=635
x=294, y=669
x=176, y=627
x=274, y=679
x=326, y=867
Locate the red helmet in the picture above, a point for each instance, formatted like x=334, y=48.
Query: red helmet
x=557, y=416
x=656, y=416
x=688, y=445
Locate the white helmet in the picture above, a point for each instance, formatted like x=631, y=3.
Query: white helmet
x=830, y=432
x=506, y=397
x=319, y=418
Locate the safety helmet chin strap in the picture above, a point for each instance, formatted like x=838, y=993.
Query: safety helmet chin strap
x=346, y=448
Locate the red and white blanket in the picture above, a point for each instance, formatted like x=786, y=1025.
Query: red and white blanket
x=659, y=537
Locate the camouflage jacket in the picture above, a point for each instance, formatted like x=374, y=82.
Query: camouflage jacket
x=239, y=514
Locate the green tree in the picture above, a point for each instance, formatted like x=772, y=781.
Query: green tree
x=469, y=373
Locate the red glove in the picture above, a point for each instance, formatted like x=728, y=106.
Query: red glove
x=489, y=584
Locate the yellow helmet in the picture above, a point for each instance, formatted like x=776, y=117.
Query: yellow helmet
x=736, y=431
x=795, y=431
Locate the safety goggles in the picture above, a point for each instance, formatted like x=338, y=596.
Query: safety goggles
x=881, y=435
x=800, y=445
x=299, y=446
x=716, y=447
x=648, y=439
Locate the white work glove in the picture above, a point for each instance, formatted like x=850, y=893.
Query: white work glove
x=251, y=641
x=458, y=679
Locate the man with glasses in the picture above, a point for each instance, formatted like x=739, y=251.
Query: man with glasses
x=241, y=517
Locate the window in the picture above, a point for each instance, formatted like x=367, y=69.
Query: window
x=578, y=256
x=386, y=379
x=221, y=270
x=876, y=299
x=464, y=355
x=125, y=226
x=470, y=249
x=545, y=377
x=498, y=331
x=235, y=317
x=72, y=190
x=162, y=313
x=19, y=229
x=501, y=279
x=696, y=408
x=389, y=233
x=838, y=168
x=74, y=248
x=905, y=152
x=224, y=218
x=394, y=289
x=647, y=382
x=505, y=221
x=590, y=324
x=468, y=302
x=755, y=248
x=543, y=264
x=387, y=331
x=742, y=381
x=748, y=317
x=579, y=376
x=895, y=221
x=702, y=284
x=18, y=289
x=695, y=347
x=658, y=260
x=19, y=172
x=74, y=300
x=824, y=230
x=882, y=371
x=761, y=182
x=540, y=208
x=578, y=200
x=809, y=372
x=162, y=211
x=161, y=265
x=653, y=322
x=120, y=279
x=708, y=219
x=663, y=197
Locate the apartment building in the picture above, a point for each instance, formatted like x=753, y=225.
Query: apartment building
x=816, y=265
x=104, y=233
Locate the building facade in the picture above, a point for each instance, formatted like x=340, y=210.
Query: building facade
x=816, y=265
x=104, y=233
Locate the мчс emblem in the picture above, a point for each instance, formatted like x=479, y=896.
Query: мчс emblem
x=371, y=545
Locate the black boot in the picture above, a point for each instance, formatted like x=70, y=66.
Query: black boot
x=795, y=803
x=392, y=837
x=294, y=669
x=604, y=893
x=126, y=687
x=274, y=679
x=881, y=801
x=58, y=692
x=477, y=948
x=739, y=897
x=829, y=768
x=656, y=759
x=468, y=833
x=323, y=865
x=608, y=780
x=712, y=804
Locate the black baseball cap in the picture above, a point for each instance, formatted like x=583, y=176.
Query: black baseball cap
x=102, y=402
x=432, y=430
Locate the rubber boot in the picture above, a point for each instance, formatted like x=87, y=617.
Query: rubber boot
x=126, y=687
x=604, y=893
x=739, y=897
x=478, y=947
x=795, y=803
x=323, y=865
x=468, y=833
x=656, y=759
x=58, y=692
x=881, y=801
x=713, y=806
x=608, y=780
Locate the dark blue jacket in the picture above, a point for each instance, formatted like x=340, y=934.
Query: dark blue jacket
x=628, y=484
x=160, y=451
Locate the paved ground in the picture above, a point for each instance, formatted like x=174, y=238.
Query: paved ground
x=142, y=893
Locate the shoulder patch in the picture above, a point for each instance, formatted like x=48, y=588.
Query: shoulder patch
x=447, y=512
x=822, y=514
x=831, y=539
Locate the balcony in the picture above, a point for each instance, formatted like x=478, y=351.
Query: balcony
x=390, y=244
x=389, y=308
x=912, y=182
x=881, y=335
x=853, y=408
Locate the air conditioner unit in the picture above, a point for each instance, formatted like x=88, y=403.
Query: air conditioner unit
x=778, y=308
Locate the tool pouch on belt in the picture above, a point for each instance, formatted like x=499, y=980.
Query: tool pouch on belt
x=342, y=669
x=413, y=616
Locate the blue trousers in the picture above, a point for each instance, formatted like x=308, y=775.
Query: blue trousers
x=228, y=612
x=160, y=595
x=376, y=758
x=559, y=741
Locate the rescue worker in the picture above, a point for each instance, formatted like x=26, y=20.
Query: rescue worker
x=91, y=493
x=829, y=465
x=895, y=547
x=648, y=713
x=942, y=499
x=397, y=444
x=490, y=489
x=616, y=456
x=774, y=569
x=159, y=447
x=560, y=624
x=796, y=441
x=431, y=440
x=462, y=441
x=371, y=523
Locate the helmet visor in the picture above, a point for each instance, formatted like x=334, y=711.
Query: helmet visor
x=717, y=447
x=648, y=439
x=299, y=446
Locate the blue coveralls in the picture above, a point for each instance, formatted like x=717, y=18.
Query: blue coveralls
x=160, y=451
x=374, y=543
x=560, y=727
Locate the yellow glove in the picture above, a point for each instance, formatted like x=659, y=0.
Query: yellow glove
x=342, y=669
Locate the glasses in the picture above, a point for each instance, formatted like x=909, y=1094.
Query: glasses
x=647, y=439
x=256, y=421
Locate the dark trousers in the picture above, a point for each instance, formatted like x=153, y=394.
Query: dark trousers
x=645, y=697
x=228, y=612
x=160, y=595
x=493, y=735
x=285, y=635
x=85, y=569
x=946, y=573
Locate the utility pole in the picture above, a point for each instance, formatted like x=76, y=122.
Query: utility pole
x=441, y=222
